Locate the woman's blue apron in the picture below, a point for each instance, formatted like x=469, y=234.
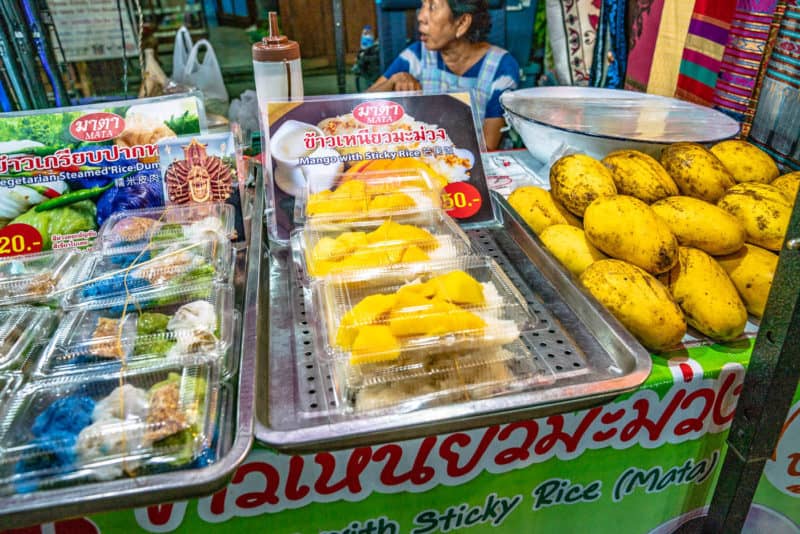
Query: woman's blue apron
x=437, y=80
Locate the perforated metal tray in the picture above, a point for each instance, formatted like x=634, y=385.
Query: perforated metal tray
x=592, y=355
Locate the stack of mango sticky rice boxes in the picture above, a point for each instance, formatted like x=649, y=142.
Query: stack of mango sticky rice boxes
x=405, y=314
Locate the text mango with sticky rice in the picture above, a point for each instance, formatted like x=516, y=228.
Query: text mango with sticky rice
x=389, y=244
x=453, y=303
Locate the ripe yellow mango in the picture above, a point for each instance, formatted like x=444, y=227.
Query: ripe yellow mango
x=706, y=295
x=626, y=228
x=752, y=269
x=570, y=246
x=696, y=223
x=576, y=180
x=746, y=162
x=640, y=175
x=539, y=209
x=640, y=302
x=762, y=209
x=697, y=171
x=789, y=183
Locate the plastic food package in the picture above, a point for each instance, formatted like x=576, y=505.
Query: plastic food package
x=369, y=195
x=104, y=340
x=447, y=377
x=65, y=431
x=462, y=304
x=9, y=381
x=189, y=222
x=150, y=276
x=367, y=250
x=33, y=278
x=21, y=329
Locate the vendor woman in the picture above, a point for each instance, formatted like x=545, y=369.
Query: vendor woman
x=452, y=55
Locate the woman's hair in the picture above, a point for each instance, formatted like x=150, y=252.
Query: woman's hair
x=481, y=20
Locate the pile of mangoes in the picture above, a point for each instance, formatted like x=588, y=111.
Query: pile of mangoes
x=689, y=239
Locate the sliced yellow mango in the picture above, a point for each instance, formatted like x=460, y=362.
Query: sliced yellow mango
x=448, y=318
x=370, y=310
x=459, y=288
x=391, y=201
x=414, y=253
x=412, y=320
x=367, y=258
x=354, y=189
x=374, y=343
x=347, y=243
x=324, y=249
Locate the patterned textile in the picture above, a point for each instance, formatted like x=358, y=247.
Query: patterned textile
x=703, y=50
x=572, y=28
x=672, y=31
x=644, y=18
x=747, y=40
x=611, y=50
x=776, y=125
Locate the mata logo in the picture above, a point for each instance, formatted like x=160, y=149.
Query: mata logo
x=783, y=469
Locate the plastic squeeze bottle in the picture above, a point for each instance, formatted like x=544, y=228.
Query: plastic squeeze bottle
x=276, y=66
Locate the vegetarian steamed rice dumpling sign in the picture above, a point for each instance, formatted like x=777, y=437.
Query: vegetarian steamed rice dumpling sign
x=64, y=172
x=316, y=146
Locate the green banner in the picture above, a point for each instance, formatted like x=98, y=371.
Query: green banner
x=640, y=464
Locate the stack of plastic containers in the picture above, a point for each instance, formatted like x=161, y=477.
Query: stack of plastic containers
x=121, y=375
x=405, y=314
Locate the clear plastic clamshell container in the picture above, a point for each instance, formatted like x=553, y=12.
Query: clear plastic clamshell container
x=21, y=330
x=457, y=305
x=412, y=384
x=33, y=278
x=8, y=383
x=148, y=277
x=66, y=431
x=365, y=250
x=190, y=222
x=104, y=340
x=370, y=195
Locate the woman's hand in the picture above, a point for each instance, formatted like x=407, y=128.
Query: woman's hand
x=403, y=81
x=399, y=81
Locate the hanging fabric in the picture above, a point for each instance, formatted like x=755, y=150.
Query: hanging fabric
x=672, y=30
x=572, y=29
x=744, y=53
x=703, y=50
x=611, y=50
x=644, y=18
x=776, y=124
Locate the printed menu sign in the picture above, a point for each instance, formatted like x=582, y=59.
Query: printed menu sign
x=316, y=146
x=64, y=172
x=89, y=29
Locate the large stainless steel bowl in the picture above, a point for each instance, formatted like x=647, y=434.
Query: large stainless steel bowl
x=596, y=121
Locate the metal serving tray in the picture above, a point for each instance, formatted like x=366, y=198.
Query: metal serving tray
x=233, y=442
x=592, y=355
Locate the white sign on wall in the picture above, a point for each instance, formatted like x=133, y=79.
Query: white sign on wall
x=89, y=29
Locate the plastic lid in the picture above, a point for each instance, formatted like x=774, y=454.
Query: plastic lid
x=618, y=114
x=275, y=47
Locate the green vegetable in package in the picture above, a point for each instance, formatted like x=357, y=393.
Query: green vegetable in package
x=66, y=220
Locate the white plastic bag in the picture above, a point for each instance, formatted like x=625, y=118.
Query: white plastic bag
x=180, y=53
x=205, y=76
